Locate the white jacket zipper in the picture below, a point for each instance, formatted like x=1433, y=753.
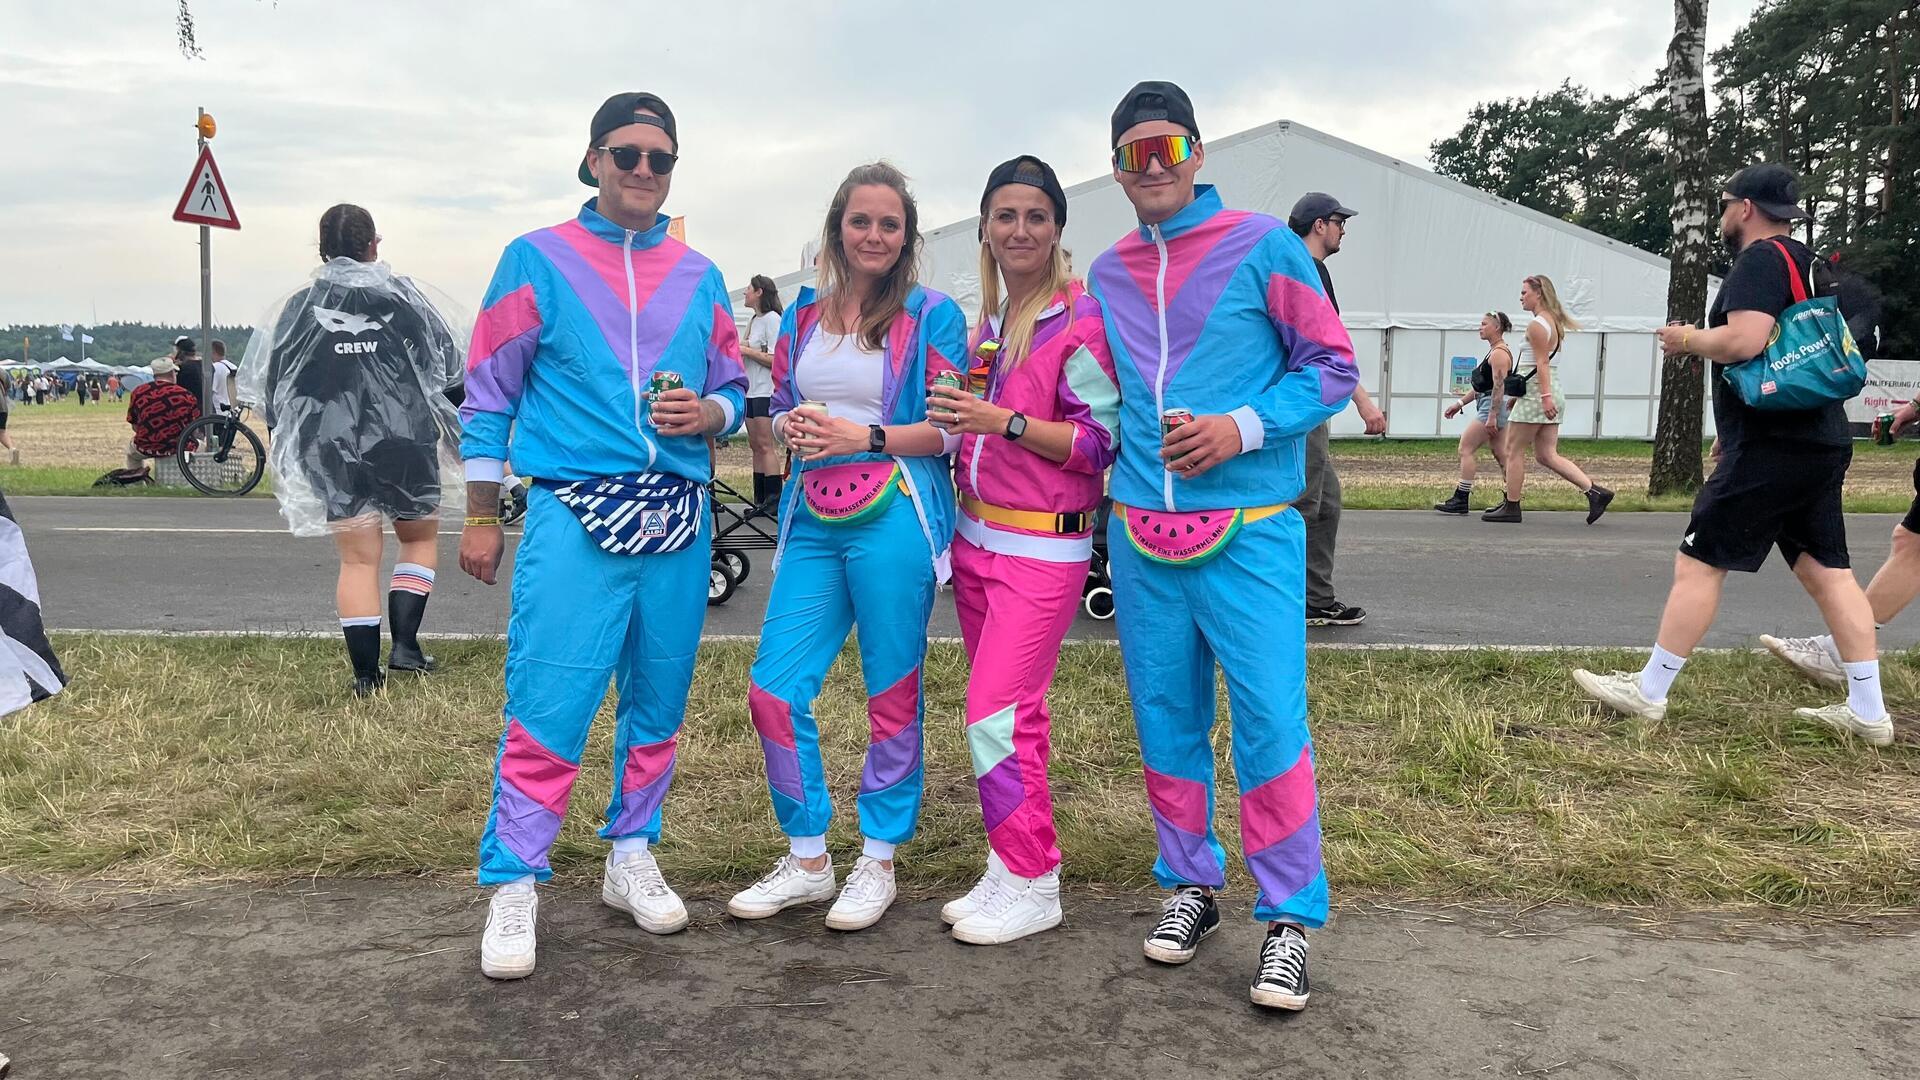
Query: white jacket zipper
x=1160, y=376
x=633, y=350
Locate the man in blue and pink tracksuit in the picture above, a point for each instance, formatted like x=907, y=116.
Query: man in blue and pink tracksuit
x=610, y=581
x=1219, y=313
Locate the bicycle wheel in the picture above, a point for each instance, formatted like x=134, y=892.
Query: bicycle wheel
x=221, y=456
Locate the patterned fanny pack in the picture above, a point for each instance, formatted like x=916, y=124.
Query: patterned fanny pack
x=636, y=514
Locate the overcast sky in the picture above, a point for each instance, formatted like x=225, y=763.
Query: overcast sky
x=459, y=124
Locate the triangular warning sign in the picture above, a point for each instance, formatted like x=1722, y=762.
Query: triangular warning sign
x=205, y=201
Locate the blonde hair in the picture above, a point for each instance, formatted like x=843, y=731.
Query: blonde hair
x=1563, y=323
x=1016, y=334
x=878, y=311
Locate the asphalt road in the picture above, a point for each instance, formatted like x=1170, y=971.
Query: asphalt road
x=380, y=979
x=207, y=564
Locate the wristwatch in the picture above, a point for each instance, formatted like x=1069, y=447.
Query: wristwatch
x=876, y=438
x=1016, y=426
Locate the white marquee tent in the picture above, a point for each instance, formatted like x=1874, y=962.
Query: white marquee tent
x=1424, y=259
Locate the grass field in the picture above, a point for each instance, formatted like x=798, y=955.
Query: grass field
x=65, y=447
x=1444, y=775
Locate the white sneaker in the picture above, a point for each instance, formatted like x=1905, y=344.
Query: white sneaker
x=634, y=885
x=1844, y=720
x=1809, y=657
x=1620, y=691
x=786, y=885
x=1013, y=909
x=956, y=910
x=865, y=897
x=506, y=946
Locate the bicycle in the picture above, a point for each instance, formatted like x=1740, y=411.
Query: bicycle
x=234, y=462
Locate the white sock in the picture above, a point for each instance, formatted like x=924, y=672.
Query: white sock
x=629, y=845
x=521, y=884
x=807, y=847
x=1863, y=689
x=877, y=849
x=361, y=620
x=1657, y=677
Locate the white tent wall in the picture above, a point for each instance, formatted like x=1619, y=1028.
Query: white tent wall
x=1424, y=259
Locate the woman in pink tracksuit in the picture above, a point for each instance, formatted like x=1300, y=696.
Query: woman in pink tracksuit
x=1037, y=436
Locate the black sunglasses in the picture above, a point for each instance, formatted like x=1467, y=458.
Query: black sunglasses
x=625, y=158
x=1724, y=203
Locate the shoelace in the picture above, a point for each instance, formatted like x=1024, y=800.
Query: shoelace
x=787, y=867
x=1181, y=914
x=646, y=873
x=866, y=882
x=514, y=912
x=1000, y=896
x=1282, y=959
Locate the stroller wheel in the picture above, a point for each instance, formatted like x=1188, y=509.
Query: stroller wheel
x=1098, y=603
x=738, y=565
x=720, y=583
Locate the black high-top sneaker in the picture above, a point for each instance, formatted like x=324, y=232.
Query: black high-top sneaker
x=1282, y=980
x=405, y=610
x=1187, y=918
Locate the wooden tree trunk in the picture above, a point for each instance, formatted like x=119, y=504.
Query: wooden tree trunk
x=1676, y=436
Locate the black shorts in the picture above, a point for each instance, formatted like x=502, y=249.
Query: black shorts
x=4, y=412
x=758, y=407
x=1768, y=496
x=1911, y=522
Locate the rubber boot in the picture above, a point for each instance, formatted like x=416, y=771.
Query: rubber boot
x=405, y=610
x=363, y=649
x=1508, y=511
x=1456, y=503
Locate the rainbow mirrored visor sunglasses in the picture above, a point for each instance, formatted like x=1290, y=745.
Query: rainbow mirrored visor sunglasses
x=1170, y=149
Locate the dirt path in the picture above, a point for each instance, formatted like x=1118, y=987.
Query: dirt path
x=378, y=979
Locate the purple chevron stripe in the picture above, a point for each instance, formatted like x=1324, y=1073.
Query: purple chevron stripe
x=783, y=769
x=890, y=761
x=1188, y=310
x=637, y=807
x=1001, y=792
x=1284, y=868
x=1129, y=312
x=1186, y=854
x=523, y=825
x=607, y=310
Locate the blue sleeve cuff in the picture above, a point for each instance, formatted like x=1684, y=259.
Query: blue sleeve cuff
x=1253, y=433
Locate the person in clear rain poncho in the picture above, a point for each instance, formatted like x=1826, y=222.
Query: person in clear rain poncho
x=352, y=372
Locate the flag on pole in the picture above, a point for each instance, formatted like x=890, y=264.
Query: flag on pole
x=66, y=331
x=86, y=339
x=29, y=671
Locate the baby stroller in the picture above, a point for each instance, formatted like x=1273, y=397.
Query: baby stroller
x=739, y=526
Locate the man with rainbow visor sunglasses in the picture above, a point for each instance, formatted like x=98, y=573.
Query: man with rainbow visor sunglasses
x=1228, y=354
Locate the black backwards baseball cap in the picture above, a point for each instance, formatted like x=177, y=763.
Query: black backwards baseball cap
x=1011, y=172
x=1772, y=187
x=1154, y=100
x=621, y=110
x=1315, y=205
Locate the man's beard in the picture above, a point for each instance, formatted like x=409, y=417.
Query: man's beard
x=1732, y=242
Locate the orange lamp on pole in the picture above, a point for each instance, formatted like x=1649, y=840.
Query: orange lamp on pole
x=206, y=126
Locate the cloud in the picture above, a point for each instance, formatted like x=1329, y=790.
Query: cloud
x=459, y=124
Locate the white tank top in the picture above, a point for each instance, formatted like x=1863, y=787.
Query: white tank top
x=1526, y=361
x=834, y=369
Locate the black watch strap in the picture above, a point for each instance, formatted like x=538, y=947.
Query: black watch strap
x=1016, y=426
x=876, y=438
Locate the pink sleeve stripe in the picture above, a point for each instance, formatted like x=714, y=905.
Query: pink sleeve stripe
x=506, y=319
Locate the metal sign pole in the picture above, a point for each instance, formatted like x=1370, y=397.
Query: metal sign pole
x=206, y=288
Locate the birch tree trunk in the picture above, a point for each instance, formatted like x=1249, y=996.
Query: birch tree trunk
x=1677, y=433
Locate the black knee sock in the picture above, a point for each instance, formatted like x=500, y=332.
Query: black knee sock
x=759, y=488
x=774, y=484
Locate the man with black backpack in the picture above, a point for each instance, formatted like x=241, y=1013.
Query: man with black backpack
x=1778, y=474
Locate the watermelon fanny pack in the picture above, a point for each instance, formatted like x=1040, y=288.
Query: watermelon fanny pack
x=1190, y=537
x=852, y=493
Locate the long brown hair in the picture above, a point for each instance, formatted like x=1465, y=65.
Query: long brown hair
x=769, y=295
x=1016, y=334
x=1550, y=306
x=878, y=311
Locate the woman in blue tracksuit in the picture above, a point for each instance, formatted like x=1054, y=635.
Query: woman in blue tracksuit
x=864, y=535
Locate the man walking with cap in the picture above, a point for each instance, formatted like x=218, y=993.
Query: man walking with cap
x=186, y=359
x=1228, y=354
x=604, y=355
x=1320, y=221
x=1776, y=485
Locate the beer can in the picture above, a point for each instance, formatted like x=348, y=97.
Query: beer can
x=1173, y=418
x=814, y=406
x=662, y=382
x=951, y=379
x=1883, y=429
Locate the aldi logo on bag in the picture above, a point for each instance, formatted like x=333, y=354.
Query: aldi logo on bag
x=653, y=523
